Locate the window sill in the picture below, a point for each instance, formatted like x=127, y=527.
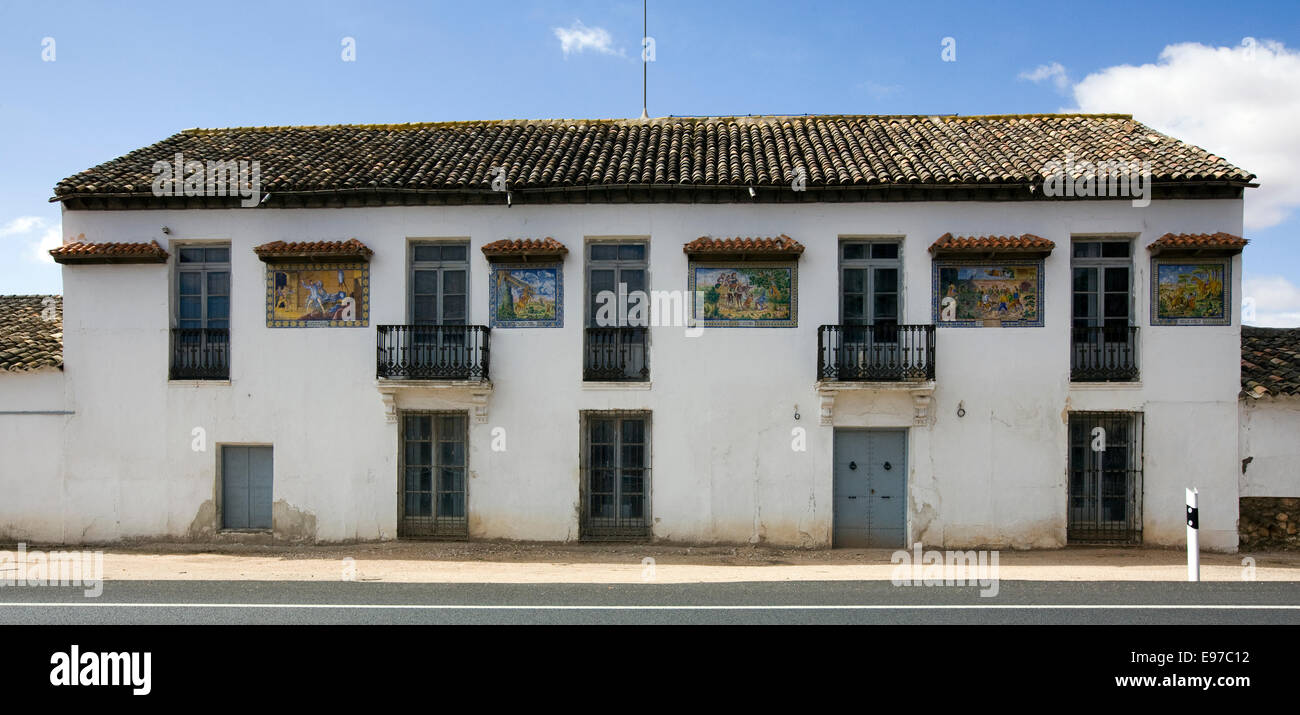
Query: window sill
x=613, y=385
x=1115, y=385
x=198, y=383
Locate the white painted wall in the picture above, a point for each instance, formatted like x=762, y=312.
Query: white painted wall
x=1270, y=438
x=723, y=403
x=31, y=454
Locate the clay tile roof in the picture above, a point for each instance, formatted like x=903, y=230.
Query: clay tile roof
x=524, y=248
x=1024, y=243
x=1270, y=361
x=1224, y=242
x=776, y=246
x=584, y=156
x=28, y=341
x=85, y=252
x=314, y=251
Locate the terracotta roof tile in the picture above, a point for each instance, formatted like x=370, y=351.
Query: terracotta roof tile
x=1024, y=243
x=1270, y=361
x=314, y=250
x=1198, y=242
x=507, y=248
x=28, y=341
x=781, y=245
x=671, y=153
x=86, y=252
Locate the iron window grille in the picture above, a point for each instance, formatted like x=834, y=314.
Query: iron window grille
x=433, y=466
x=1105, y=486
x=615, y=476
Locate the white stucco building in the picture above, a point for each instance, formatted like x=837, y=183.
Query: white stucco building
x=915, y=344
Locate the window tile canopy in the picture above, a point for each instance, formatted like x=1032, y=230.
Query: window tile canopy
x=772, y=248
x=82, y=252
x=525, y=249
x=281, y=251
x=1220, y=244
x=1024, y=245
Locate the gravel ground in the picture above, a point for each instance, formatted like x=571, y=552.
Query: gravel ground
x=523, y=562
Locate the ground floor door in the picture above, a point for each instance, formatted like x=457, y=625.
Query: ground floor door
x=1105, y=492
x=870, y=473
x=615, y=476
x=246, y=487
x=432, y=503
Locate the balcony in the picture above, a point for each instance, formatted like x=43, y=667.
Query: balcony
x=432, y=352
x=1104, y=354
x=200, y=354
x=616, y=355
x=875, y=353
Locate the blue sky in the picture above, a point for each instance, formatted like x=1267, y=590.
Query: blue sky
x=125, y=75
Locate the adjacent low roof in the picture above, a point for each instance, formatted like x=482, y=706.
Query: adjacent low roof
x=774, y=247
x=1196, y=242
x=524, y=249
x=1270, y=361
x=1026, y=243
x=31, y=332
x=84, y=252
x=351, y=249
x=587, y=159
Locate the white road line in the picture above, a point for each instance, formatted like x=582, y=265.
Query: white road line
x=482, y=607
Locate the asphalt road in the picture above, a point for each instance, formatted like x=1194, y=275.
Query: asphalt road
x=802, y=602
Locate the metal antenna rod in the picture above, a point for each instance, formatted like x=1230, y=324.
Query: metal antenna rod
x=644, y=62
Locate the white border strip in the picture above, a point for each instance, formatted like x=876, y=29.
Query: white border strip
x=482, y=607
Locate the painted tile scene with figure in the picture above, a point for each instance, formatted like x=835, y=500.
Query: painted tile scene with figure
x=755, y=295
x=527, y=297
x=318, y=295
x=994, y=294
x=1190, y=293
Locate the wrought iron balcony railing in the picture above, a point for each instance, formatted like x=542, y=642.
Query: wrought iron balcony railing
x=1104, y=354
x=432, y=352
x=200, y=354
x=869, y=353
x=616, y=355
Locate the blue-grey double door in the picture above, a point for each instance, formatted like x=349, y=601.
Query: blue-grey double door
x=246, y=481
x=870, y=488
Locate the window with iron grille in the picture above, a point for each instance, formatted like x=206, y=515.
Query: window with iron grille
x=616, y=343
x=201, y=332
x=1105, y=486
x=433, y=468
x=615, y=481
x=1103, y=337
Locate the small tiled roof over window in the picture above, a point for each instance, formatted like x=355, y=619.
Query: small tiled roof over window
x=840, y=157
x=82, y=252
x=1270, y=361
x=523, y=249
x=1026, y=243
x=781, y=246
x=348, y=250
x=1197, y=243
x=31, y=332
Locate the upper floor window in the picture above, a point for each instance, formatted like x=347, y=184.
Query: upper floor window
x=439, y=283
x=1102, y=276
x=869, y=282
x=203, y=287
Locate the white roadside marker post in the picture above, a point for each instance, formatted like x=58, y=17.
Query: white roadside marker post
x=1193, y=540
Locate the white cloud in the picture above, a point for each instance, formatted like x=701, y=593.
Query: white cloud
x=1276, y=299
x=578, y=38
x=1054, y=72
x=21, y=225
x=1243, y=103
x=39, y=247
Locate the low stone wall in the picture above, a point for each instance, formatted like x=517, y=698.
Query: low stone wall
x=1270, y=522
